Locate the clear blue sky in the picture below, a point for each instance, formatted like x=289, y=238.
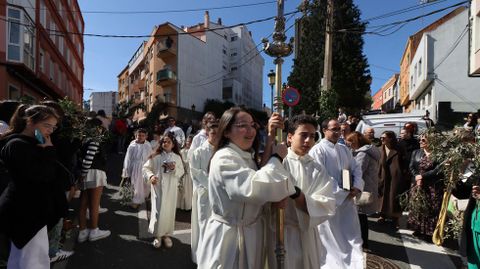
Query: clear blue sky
x=106, y=57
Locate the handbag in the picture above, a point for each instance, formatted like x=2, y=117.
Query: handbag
x=364, y=198
x=126, y=191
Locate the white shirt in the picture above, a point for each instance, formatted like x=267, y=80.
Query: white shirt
x=197, y=141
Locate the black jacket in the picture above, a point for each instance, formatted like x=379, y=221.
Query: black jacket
x=33, y=198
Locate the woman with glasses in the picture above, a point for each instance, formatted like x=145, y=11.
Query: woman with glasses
x=238, y=190
x=428, y=178
x=393, y=180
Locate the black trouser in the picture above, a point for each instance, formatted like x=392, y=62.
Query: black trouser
x=364, y=228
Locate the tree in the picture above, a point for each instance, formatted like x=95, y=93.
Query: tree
x=351, y=76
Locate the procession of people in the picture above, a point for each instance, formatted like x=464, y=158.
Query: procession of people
x=327, y=187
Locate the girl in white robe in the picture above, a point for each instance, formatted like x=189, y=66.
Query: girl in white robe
x=185, y=189
x=137, y=154
x=163, y=170
x=237, y=189
x=199, y=169
x=313, y=204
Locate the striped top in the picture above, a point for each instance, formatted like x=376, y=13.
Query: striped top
x=92, y=149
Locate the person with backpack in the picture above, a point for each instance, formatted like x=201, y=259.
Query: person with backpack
x=29, y=203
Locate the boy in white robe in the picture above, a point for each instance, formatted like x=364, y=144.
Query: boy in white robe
x=312, y=204
x=137, y=154
x=199, y=170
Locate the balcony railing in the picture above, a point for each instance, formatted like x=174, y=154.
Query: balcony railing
x=166, y=77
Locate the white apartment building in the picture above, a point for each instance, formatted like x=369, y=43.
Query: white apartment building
x=185, y=66
x=474, y=50
x=104, y=100
x=439, y=79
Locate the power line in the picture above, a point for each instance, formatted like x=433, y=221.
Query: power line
x=400, y=23
x=62, y=33
x=401, y=11
x=384, y=68
x=119, y=12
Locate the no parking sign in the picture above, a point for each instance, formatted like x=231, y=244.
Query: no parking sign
x=290, y=96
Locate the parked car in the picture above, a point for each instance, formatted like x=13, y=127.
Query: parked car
x=392, y=122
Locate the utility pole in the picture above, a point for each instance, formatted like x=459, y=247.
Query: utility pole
x=327, y=64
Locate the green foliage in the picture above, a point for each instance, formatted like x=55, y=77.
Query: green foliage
x=351, y=75
x=328, y=105
x=77, y=127
x=217, y=106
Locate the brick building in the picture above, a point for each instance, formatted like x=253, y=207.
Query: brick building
x=41, y=50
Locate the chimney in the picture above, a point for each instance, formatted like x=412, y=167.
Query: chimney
x=219, y=21
x=206, y=20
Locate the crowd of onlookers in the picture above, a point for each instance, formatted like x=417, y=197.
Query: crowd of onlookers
x=224, y=173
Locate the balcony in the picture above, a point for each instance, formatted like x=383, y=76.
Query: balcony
x=166, y=77
x=421, y=68
x=166, y=48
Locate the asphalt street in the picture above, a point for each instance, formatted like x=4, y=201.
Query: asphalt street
x=129, y=246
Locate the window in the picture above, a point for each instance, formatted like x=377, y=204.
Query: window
x=52, y=69
x=233, y=68
x=224, y=51
x=14, y=34
x=52, y=30
x=43, y=13
x=60, y=45
x=41, y=63
x=13, y=92
x=420, y=67
x=234, y=54
x=234, y=38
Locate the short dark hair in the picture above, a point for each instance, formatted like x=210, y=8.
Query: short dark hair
x=298, y=120
x=141, y=130
x=325, y=123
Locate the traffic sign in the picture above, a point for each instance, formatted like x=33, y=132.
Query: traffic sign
x=290, y=96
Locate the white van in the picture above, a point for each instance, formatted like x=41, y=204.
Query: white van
x=392, y=122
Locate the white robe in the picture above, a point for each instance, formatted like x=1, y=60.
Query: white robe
x=302, y=241
x=234, y=237
x=184, y=199
x=201, y=206
x=137, y=154
x=340, y=235
x=197, y=141
x=164, y=193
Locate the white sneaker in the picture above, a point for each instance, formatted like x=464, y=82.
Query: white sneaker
x=97, y=234
x=102, y=210
x=83, y=235
x=157, y=243
x=61, y=255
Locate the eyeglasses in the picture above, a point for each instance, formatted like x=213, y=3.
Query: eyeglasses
x=383, y=137
x=334, y=130
x=244, y=125
x=49, y=126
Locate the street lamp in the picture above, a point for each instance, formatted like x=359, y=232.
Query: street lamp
x=271, y=82
x=193, y=107
x=193, y=111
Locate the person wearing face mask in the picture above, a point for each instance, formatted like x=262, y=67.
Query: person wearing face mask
x=29, y=204
x=238, y=190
